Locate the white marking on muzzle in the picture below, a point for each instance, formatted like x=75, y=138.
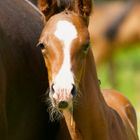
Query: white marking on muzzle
x=66, y=32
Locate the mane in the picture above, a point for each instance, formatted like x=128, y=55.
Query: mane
x=51, y=7
x=65, y=4
x=81, y=7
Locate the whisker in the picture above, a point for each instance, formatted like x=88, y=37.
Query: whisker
x=45, y=95
x=54, y=112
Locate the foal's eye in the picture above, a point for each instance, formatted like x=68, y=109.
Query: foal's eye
x=41, y=46
x=85, y=47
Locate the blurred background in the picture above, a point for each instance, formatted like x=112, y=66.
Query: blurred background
x=115, y=35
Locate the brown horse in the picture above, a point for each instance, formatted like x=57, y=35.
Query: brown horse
x=85, y=112
x=23, y=77
x=114, y=25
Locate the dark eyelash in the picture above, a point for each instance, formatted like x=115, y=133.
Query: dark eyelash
x=41, y=46
x=85, y=47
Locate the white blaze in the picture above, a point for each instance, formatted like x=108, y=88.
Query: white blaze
x=66, y=32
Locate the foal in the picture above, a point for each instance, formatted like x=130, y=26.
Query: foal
x=88, y=113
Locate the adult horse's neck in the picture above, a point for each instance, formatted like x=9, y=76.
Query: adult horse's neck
x=90, y=115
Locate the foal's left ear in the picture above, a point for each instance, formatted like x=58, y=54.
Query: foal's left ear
x=84, y=8
x=47, y=7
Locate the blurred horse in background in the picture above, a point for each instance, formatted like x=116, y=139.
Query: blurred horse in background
x=114, y=25
x=75, y=98
x=23, y=76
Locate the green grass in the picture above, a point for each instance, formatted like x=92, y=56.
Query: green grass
x=126, y=75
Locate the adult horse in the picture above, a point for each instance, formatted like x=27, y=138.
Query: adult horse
x=87, y=112
x=23, y=77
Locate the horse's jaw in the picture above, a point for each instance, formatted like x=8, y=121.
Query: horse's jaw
x=71, y=124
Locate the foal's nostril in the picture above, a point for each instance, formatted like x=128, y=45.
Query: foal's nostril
x=63, y=104
x=74, y=90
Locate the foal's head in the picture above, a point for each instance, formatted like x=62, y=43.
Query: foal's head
x=64, y=42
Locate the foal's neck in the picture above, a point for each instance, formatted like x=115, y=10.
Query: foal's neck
x=90, y=114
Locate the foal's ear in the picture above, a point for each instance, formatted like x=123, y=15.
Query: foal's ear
x=51, y=7
x=47, y=7
x=84, y=8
